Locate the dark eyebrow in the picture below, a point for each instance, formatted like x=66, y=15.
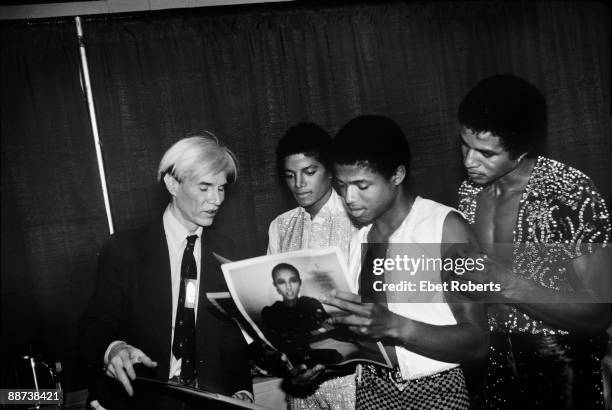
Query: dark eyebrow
x=310, y=167
x=359, y=181
x=302, y=169
x=209, y=184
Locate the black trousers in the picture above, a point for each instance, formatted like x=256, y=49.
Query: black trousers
x=548, y=372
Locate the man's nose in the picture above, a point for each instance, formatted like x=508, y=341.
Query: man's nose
x=299, y=181
x=469, y=160
x=214, y=197
x=351, y=194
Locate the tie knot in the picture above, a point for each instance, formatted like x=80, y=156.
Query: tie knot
x=191, y=241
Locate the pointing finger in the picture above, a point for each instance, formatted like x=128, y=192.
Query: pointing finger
x=129, y=368
x=110, y=371
x=121, y=376
x=351, y=320
x=351, y=307
x=126, y=383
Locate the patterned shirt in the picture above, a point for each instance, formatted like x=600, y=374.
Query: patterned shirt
x=295, y=229
x=560, y=205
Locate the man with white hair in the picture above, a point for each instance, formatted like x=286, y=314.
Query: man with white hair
x=149, y=315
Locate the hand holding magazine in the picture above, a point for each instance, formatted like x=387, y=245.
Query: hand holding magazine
x=277, y=297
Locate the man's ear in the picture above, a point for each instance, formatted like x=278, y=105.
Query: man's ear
x=520, y=157
x=171, y=184
x=399, y=175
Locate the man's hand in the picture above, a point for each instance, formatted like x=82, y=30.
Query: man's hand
x=512, y=286
x=302, y=381
x=268, y=359
x=244, y=396
x=510, y=283
x=301, y=376
x=120, y=366
x=371, y=320
x=95, y=405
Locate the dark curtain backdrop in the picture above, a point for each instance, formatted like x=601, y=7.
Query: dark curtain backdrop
x=53, y=219
x=248, y=73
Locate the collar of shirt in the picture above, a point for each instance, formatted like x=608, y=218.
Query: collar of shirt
x=176, y=233
x=333, y=203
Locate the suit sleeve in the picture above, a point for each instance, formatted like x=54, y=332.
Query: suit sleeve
x=103, y=319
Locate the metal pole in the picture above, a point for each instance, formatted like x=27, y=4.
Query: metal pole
x=94, y=123
x=33, y=364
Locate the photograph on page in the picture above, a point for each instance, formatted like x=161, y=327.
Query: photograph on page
x=278, y=295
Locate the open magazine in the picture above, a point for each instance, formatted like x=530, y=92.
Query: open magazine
x=275, y=298
x=225, y=304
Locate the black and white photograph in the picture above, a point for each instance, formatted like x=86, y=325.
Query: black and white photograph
x=279, y=296
x=168, y=164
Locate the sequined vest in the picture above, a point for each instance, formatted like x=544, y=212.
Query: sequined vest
x=560, y=205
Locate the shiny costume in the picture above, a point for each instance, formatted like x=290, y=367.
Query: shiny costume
x=532, y=363
x=295, y=230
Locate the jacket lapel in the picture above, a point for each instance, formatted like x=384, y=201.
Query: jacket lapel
x=211, y=276
x=211, y=280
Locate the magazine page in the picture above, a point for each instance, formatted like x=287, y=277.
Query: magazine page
x=225, y=304
x=278, y=295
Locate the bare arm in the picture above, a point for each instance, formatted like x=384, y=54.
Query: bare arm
x=470, y=335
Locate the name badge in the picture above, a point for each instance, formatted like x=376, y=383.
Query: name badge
x=190, y=293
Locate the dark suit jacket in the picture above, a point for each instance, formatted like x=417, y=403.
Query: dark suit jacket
x=133, y=302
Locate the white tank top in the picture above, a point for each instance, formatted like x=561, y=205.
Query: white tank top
x=423, y=224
